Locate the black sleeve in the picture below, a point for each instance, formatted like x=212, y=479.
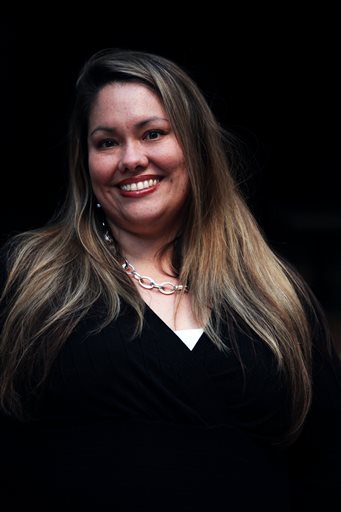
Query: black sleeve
x=315, y=457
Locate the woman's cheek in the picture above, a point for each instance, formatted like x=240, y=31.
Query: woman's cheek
x=101, y=168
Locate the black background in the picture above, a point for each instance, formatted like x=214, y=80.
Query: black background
x=273, y=79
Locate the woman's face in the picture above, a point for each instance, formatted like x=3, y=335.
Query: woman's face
x=136, y=164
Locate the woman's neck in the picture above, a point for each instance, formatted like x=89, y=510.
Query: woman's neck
x=144, y=251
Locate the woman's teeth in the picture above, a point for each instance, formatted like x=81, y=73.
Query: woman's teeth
x=140, y=185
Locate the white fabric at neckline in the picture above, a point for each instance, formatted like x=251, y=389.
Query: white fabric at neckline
x=190, y=337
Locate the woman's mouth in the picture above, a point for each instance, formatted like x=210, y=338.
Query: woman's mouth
x=139, y=185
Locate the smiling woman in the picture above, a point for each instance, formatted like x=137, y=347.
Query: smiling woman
x=156, y=354
x=138, y=173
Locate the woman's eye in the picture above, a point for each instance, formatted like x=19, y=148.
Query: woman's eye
x=106, y=143
x=153, y=134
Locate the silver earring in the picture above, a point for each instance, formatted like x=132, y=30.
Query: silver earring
x=107, y=235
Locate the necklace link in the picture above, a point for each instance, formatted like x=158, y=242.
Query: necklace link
x=148, y=283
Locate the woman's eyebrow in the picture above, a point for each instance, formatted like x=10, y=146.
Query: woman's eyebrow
x=138, y=125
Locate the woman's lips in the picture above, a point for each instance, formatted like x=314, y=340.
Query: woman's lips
x=138, y=186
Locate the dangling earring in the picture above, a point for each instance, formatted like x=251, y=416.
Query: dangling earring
x=107, y=235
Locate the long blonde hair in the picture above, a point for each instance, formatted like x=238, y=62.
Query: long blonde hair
x=56, y=274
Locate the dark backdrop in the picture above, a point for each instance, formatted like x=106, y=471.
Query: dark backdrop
x=275, y=84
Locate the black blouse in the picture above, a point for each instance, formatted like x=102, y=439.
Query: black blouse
x=146, y=424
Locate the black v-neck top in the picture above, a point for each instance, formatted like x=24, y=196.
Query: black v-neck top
x=146, y=424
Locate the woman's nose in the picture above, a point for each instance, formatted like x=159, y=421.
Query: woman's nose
x=133, y=157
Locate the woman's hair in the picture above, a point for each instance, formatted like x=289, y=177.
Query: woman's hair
x=57, y=273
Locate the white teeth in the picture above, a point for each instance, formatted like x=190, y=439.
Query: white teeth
x=140, y=185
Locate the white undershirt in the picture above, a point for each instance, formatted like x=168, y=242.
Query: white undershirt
x=190, y=337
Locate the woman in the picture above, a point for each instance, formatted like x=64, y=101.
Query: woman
x=155, y=353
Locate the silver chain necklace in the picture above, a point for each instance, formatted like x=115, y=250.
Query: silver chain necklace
x=148, y=283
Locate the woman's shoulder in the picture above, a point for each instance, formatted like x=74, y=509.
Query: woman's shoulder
x=5, y=252
x=326, y=358
x=15, y=249
x=323, y=344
